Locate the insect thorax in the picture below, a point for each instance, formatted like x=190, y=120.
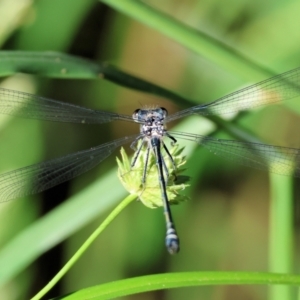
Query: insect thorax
x=151, y=121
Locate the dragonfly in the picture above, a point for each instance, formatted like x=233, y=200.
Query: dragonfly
x=150, y=140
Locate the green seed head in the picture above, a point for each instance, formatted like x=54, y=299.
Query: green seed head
x=150, y=193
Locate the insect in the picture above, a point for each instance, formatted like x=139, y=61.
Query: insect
x=153, y=132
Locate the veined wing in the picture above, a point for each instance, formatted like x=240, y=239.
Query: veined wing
x=280, y=160
x=275, y=89
x=42, y=176
x=30, y=106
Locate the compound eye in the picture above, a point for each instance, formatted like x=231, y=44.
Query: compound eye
x=164, y=111
x=135, y=115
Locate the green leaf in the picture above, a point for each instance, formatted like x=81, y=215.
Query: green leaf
x=148, y=283
x=215, y=51
x=64, y=66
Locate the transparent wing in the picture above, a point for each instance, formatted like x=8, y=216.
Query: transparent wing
x=276, y=89
x=30, y=106
x=39, y=177
x=280, y=160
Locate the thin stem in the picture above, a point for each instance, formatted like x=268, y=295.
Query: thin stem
x=281, y=233
x=84, y=246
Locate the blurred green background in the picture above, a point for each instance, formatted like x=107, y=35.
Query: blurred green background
x=225, y=224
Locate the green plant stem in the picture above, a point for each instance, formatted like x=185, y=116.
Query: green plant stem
x=85, y=246
x=195, y=40
x=281, y=232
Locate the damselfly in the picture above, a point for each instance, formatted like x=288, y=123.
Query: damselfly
x=153, y=132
